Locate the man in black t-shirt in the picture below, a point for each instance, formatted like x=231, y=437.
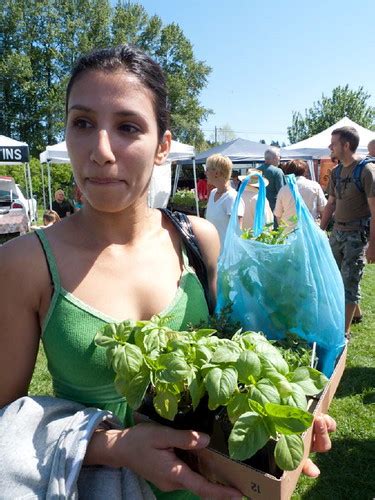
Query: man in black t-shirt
x=62, y=206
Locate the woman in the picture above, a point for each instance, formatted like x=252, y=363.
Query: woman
x=114, y=259
x=250, y=198
x=223, y=196
x=311, y=192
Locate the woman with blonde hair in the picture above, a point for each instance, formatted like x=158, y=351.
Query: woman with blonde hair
x=223, y=196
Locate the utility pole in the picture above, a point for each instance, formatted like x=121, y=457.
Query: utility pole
x=215, y=133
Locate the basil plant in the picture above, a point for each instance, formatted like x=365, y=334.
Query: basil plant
x=264, y=397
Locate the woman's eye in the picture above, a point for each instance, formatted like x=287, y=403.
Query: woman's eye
x=81, y=123
x=127, y=127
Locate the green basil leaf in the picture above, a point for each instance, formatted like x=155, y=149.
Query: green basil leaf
x=249, y=434
x=220, y=384
x=270, y=355
x=258, y=408
x=124, y=330
x=264, y=392
x=310, y=380
x=127, y=360
x=166, y=403
x=251, y=339
x=152, y=341
x=134, y=389
x=238, y=404
x=287, y=419
x=202, y=355
x=106, y=336
x=289, y=452
x=197, y=390
x=248, y=365
x=178, y=344
x=204, y=332
x=281, y=383
x=173, y=368
x=225, y=354
x=297, y=398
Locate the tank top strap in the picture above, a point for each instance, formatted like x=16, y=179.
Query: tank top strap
x=50, y=258
x=185, y=258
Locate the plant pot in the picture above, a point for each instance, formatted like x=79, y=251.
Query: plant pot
x=263, y=459
x=201, y=419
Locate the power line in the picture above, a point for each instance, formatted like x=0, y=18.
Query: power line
x=219, y=129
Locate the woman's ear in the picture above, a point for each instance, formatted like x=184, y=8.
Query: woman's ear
x=163, y=148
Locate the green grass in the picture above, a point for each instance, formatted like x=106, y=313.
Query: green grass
x=348, y=470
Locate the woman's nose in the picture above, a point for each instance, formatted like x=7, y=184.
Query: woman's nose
x=102, y=150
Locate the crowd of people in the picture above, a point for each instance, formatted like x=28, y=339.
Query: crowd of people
x=350, y=205
x=117, y=259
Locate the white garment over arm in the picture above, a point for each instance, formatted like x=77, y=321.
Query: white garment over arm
x=250, y=198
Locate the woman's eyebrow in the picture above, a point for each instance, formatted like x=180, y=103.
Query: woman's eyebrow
x=123, y=112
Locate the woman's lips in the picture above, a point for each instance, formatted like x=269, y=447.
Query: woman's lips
x=104, y=180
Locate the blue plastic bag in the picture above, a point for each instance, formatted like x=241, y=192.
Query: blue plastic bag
x=293, y=287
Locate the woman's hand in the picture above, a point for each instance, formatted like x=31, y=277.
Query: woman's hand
x=321, y=442
x=148, y=450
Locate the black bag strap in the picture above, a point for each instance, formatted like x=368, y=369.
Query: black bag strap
x=183, y=225
x=356, y=175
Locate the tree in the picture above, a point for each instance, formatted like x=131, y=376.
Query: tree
x=41, y=39
x=324, y=113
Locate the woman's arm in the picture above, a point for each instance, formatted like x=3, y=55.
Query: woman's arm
x=20, y=277
x=148, y=450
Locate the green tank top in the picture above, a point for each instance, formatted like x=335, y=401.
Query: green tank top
x=78, y=367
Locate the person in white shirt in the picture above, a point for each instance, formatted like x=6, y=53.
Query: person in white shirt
x=223, y=196
x=311, y=192
x=250, y=197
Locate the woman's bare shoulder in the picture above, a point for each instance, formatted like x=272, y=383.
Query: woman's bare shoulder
x=202, y=227
x=208, y=239
x=22, y=257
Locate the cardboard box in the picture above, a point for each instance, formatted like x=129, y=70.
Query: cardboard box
x=255, y=484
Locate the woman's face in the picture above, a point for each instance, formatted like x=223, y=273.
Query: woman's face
x=112, y=139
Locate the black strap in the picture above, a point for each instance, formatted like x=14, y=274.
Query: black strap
x=355, y=177
x=183, y=225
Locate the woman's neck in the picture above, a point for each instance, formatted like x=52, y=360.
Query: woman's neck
x=222, y=186
x=124, y=227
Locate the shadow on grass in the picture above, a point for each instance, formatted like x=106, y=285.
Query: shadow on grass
x=356, y=380
x=347, y=472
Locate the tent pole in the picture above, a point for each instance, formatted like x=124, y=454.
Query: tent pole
x=49, y=184
x=31, y=191
x=43, y=188
x=26, y=181
x=195, y=187
x=176, y=177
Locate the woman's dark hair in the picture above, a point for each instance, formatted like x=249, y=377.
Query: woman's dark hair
x=134, y=61
x=296, y=167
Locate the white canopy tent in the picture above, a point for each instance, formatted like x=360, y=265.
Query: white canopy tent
x=14, y=152
x=161, y=179
x=245, y=152
x=317, y=145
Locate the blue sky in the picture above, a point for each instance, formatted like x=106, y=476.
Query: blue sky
x=269, y=58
